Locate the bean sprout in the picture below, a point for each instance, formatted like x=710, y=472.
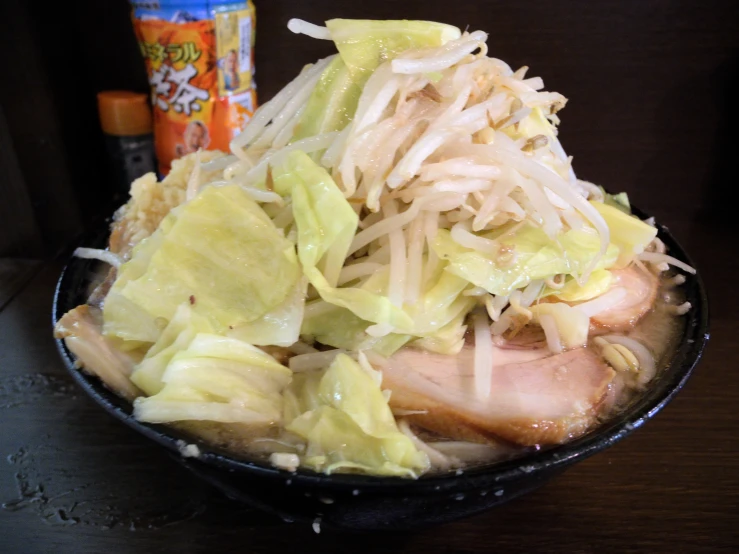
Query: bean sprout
x=96, y=254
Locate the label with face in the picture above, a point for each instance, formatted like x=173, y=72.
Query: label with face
x=234, y=38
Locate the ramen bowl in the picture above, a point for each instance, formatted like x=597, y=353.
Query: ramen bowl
x=358, y=502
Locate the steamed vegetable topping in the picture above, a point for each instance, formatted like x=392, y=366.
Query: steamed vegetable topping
x=393, y=202
x=218, y=379
x=219, y=252
x=344, y=417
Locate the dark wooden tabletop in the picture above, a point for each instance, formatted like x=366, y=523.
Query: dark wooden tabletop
x=652, y=112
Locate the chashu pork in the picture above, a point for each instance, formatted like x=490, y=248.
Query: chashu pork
x=641, y=293
x=535, y=398
x=81, y=330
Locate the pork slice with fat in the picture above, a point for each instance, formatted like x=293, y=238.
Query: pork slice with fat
x=641, y=292
x=81, y=330
x=535, y=398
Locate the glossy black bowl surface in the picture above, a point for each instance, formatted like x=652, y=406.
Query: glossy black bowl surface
x=366, y=503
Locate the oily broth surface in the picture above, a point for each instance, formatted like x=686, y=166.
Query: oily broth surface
x=659, y=330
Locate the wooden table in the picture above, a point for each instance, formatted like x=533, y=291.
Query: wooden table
x=653, y=113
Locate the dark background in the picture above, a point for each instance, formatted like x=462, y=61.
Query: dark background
x=652, y=111
x=650, y=85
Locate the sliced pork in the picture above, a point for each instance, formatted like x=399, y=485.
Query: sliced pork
x=81, y=330
x=535, y=398
x=641, y=292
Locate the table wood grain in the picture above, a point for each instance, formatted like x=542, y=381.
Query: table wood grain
x=652, y=112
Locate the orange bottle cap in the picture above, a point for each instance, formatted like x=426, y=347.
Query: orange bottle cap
x=124, y=113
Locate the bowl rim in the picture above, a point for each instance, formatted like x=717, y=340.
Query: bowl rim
x=684, y=360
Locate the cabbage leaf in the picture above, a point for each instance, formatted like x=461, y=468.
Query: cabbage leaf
x=220, y=252
x=572, y=324
x=326, y=225
x=347, y=424
x=332, y=103
x=338, y=327
x=281, y=325
x=536, y=256
x=364, y=44
x=177, y=336
x=449, y=339
x=598, y=283
x=219, y=379
x=628, y=232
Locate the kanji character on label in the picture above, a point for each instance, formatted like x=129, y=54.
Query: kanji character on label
x=160, y=86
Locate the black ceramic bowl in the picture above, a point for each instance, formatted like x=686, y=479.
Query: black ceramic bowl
x=368, y=503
